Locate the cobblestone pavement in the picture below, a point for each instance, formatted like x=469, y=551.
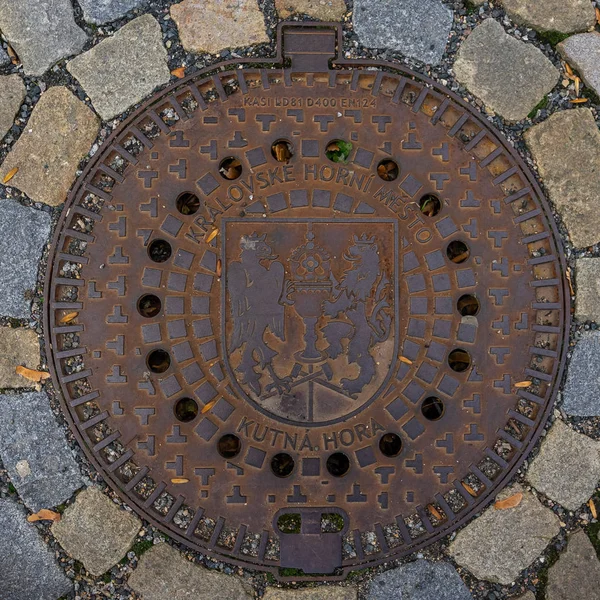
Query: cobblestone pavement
x=71, y=70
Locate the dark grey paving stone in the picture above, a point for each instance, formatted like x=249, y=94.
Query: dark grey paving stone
x=34, y=451
x=582, y=390
x=28, y=570
x=42, y=32
x=417, y=28
x=23, y=233
x=420, y=580
x=103, y=11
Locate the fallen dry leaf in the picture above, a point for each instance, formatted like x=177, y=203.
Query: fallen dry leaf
x=568, y=69
x=208, y=406
x=568, y=274
x=10, y=175
x=179, y=480
x=579, y=100
x=31, y=374
x=469, y=489
x=598, y=15
x=212, y=235
x=406, y=360
x=577, y=86
x=593, y=510
x=14, y=59
x=523, y=384
x=179, y=72
x=509, y=502
x=67, y=318
x=44, y=515
x=435, y=512
x=219, y=268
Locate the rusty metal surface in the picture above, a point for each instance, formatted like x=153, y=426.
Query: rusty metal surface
x=289, y=357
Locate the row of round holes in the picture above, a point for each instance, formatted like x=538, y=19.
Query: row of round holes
x=282, y=464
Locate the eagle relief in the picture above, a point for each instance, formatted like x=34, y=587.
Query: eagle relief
x=309, y=316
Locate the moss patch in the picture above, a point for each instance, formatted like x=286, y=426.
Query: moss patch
x=551, y=558
x=539, y=106
x=552, y=37
x=141, y=547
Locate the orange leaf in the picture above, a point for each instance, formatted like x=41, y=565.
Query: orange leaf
x=469, y=489
x=67, y=318
x=598, y=15
x=212, y=235
x=14, y=59
x=435, y=512
x=593, y=510
x=208, y=406
x=32, y=375
x=406, y=360
x=509, y=502
x=579, y=100
x=44, y=515
x=179, y=72
x=179, y=480
x=10, y=175
x=219, y=268
x=568, y=69
x=523, y=384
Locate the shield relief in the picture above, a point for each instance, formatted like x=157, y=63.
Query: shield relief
x=309, y=313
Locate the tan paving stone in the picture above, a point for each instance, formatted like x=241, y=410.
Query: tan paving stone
x=567, y=468
x=59, y=134
x=163, y=573
x=18, y=346
x=324, y=10
x=95, y=531
x=565, y=16
x=566, y=149
x=499, y=544
x=212, y=26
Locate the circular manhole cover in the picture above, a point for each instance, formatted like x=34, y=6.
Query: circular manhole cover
x=306, y=318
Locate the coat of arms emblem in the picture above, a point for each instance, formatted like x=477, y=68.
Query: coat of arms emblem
x=309, y=313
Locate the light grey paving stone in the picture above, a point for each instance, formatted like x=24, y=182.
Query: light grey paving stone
x=510, y=76
x=576, y=574
x=565, y=16
x=322, y=592
x=28, y=569
x=499, y=544
x=24, y=232
x=526, y=596
x=41, y=32
x=587, y=300
x=34, y=451
x=163, y=573
x=12, y=94
x=567, y=469
x=212, y=26
x=324, y=10
x=566, y=149
x=95, y=531
x=417, y=28
x=582, y=52
x=124, y=68
x=419, y=580
x=59, y=134
x=582, y=390
x=18, y=346
x=103, y=11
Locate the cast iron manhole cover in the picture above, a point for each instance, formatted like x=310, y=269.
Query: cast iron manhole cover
x=306, y=316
